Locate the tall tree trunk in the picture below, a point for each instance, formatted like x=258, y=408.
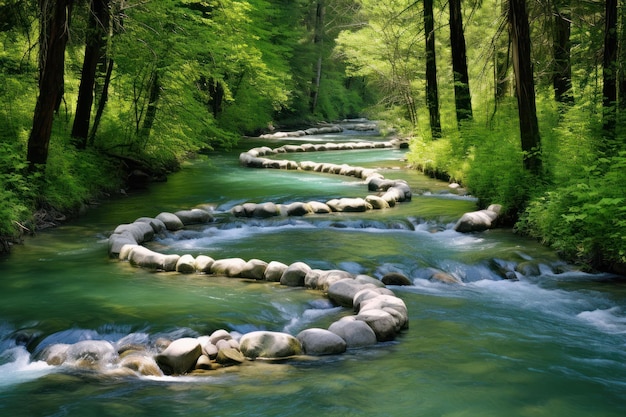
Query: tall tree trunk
x=621, y=76
x=95, y=45
x=104, y=97
x=562, y=76
x=153, y=99
x=216, y=96
x=318, y=44
x=609, y=74
x=54, y=21
x=432, y=93
x=462, y=97
x=501, y=67
x=525, y=86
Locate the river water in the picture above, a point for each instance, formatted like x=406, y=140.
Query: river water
x=550, y=343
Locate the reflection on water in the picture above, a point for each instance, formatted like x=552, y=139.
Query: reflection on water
x=549, y=343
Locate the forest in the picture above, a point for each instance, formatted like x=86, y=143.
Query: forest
x=522, y=102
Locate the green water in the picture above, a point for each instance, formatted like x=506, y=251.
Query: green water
x=547, y=344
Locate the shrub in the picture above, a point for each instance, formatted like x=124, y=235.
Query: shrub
x=586, y=219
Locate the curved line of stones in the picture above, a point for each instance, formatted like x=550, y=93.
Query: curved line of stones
x=379, y=314
x=389, y=192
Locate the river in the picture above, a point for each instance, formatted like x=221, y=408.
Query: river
x=550, y=343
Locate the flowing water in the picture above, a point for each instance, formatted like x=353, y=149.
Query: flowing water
x=550, y=343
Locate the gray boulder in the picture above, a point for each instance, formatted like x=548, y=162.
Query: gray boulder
x=477, y=221
x=229, y=267
x=381, y=322
x=319, y=207
x=298, y=209
x=327, y=278
x=194, y=216
x=377, y=203
x=321, y=342
x=118, y=240
x=342, y=291
x=218, y=335
x=171, y=221
x=180, y=356
x=351, y=205
x=140, y=231
x=269, y=345
x=254, y=269
x=367, y=293
x=186, y=264
x=146, y=258
x=125, y=252
x=390, y=304
x=294, y=275
x=356, y=333
x=274, y=271
x=203, y=263
x=157, y=225
x=396, y=278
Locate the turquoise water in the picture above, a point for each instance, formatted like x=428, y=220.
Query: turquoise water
x=551, y=343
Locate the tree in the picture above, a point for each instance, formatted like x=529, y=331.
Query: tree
x=432, y=93
x=525, y=86
x=462, y=96
x=385, y=50
x=54, y=32
x=318, y=44
x=609, y=74
x=97, y=31
x=621, y=85
x=562, y=75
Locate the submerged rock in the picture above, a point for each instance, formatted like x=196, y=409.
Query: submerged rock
x=91, y=354
x=396, y=278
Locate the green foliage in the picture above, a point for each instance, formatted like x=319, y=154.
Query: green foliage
x=15, y=189
x=74, y=177
x=586, y=218
x=388, y=51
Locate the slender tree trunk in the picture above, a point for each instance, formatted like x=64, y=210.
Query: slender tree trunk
x=562, y=77
x=621, y=83
x=54, y=21
x=95, y=45
x=432, y=93
x=609, y=74
x=462, y=97
x=153, y=99
x=104, y=97
x=501, y=69
x=318, y=42
x=525, y=86
x=501, y=65
x=216, y=96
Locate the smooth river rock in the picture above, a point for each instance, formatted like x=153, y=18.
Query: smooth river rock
x=356, y=333
x=269, y=345
x=321, y=342
x=180, y=356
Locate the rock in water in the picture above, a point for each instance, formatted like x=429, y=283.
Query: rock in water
x=269, y=345
x=180, y=356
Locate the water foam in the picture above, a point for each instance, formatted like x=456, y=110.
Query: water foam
x=17, y=367
x=610, y=320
